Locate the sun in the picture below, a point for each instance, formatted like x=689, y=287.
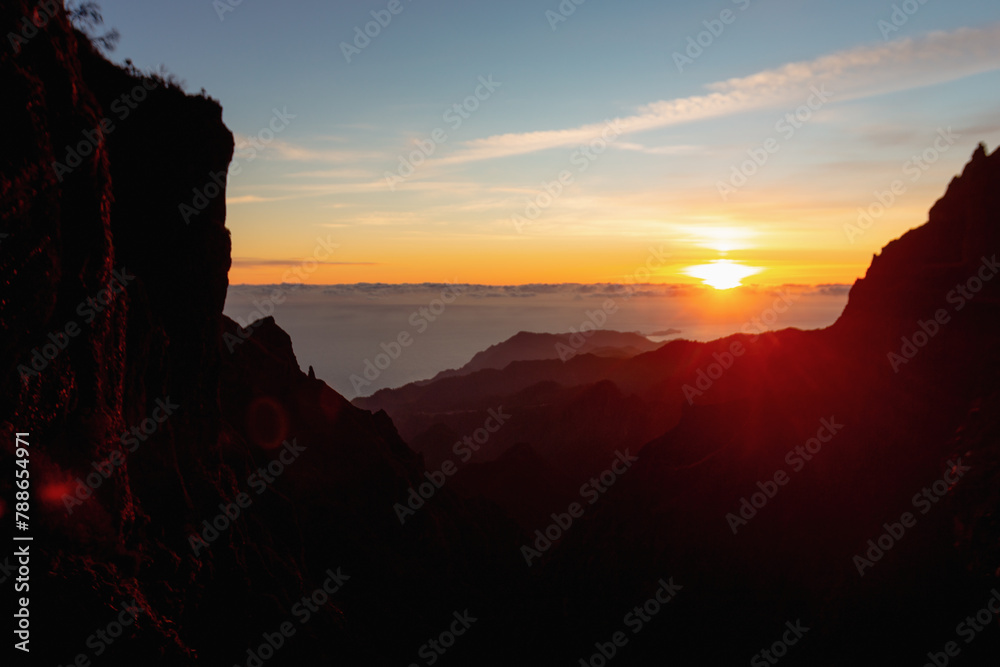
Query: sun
x=722, y=274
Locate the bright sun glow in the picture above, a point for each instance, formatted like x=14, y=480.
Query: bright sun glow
x=722, y=273
x=723, y=238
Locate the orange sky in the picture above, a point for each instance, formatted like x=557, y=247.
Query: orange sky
x=816, y=251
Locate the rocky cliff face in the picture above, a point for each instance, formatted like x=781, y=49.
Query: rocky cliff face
x=939, y=265
x=146, y=427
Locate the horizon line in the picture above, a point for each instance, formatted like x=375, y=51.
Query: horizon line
x=538, y=284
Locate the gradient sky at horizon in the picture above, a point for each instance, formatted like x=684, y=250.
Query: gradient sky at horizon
x=656, y=185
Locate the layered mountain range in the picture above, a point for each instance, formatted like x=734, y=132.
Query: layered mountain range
x=523, y=510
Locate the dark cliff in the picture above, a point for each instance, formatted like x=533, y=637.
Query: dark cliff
x=114, y=358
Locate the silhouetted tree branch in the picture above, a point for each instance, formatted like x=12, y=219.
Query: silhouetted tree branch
x=87, y=18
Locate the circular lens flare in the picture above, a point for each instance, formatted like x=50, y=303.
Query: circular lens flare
x=267, y=422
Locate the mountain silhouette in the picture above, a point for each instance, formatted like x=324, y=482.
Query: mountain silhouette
x=750, y=487
x=906, y=373
x=527, y=346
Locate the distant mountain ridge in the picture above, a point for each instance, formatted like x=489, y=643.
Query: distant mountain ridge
x=528, y=346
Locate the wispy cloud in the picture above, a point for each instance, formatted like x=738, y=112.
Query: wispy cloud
x=301, y=190
x=250, y=199
x=244, y=262
x=286, y=150
x=334, y=174
x=680, y=149
x=851, y=74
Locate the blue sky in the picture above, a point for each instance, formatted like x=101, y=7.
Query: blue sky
x=658, y=182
